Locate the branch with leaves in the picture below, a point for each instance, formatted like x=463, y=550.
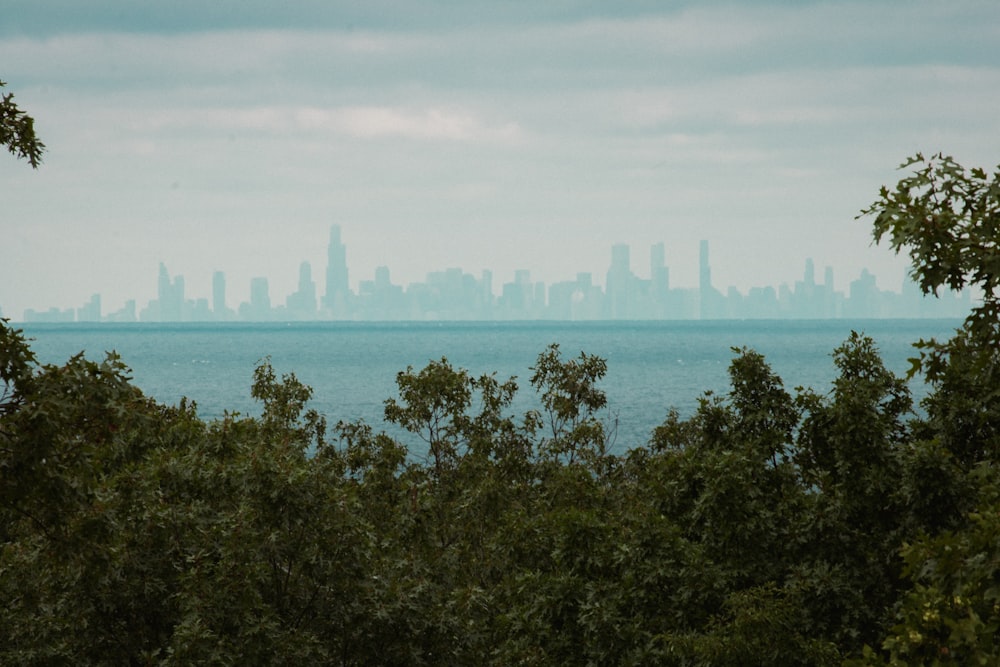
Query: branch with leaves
x=17, y=131
x=947, y=218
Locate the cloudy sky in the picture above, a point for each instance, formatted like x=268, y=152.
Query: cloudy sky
x=504, y=135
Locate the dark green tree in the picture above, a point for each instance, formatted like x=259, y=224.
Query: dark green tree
x=948, y=219
x=17, y=131
x=134, y=533
x=571, y=400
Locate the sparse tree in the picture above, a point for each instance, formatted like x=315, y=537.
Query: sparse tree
x=17, y=131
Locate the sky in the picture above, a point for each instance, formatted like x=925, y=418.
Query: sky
x=482, y=135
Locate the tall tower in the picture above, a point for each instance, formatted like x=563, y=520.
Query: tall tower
x=164, y=294
x=260, y=299
x=307, y=289
x=712, y=302
x=336, y=273
x=659, y=274
x=178, y=304
x=657, y=258
x=619, y=284
x=170, y=296
x=486, y=291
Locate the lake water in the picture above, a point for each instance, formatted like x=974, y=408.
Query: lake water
x=652, y=366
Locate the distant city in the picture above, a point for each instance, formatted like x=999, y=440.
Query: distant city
x=453, y=294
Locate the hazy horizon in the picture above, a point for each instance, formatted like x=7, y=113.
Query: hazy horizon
x=639, y=264
x=482, y=136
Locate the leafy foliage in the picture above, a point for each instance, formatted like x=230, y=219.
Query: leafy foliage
x=17, y=131
x=135, y=532
x=948, y=217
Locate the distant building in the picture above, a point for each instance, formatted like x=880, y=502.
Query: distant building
x=336, y=298
x=486, y=298
x=50, y=315
x=619, y=284
x=260, y=297
x=865, y=301
x=91, y=311
x=259, y=306
x=301, y=304
x=125, y=314
x=170, y=296
x=453, y=294
x=712, y=302
x=519, y=299
x=659, y=277
x=380, y=300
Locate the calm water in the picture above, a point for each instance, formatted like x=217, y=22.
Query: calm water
x=352, y=366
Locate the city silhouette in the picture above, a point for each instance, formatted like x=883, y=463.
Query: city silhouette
x=453, y=294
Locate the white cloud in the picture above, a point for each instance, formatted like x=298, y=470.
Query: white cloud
x=364, y=122
x=448, y=124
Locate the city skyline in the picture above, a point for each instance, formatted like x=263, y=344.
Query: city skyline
x=227, y=136
x=453, y=294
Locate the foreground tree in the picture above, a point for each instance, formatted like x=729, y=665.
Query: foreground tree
x=17, y=131
x=133, y=533
x=947, y=218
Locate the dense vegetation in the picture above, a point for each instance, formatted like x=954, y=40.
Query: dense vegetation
x=816, y=528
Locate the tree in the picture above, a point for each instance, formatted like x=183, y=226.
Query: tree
x=136, y=533
x=17, y=131
x=951, y=614
x=571, y=398
x=948, y=219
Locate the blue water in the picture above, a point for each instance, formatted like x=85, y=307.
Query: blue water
x=652, y=366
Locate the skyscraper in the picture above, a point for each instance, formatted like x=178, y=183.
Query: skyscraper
x=302, y=303
x=619, y=285
x=170, y=296
x=382, y=281
x=91, y=311
x=335, y=299
x=712, y=301
x=164, y=294
x=259, y=306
